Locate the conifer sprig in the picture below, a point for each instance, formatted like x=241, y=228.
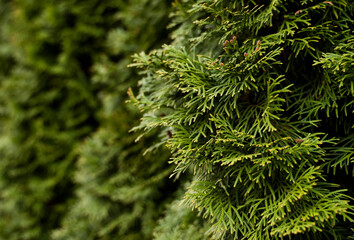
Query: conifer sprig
x=248, y=95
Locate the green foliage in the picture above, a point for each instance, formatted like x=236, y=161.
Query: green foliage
x=180, y=222
x=120, y=193
x=47, y=108
x=259, y=103
x=64, y=78
x=115, y=198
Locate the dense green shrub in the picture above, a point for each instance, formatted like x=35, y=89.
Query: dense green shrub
x=258, y=99
x=64, y=78
x=48, y=106
x=121, y=193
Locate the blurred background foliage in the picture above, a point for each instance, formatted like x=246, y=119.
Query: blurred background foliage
x=69, y=168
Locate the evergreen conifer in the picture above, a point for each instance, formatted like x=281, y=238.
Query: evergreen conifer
x=64, y=78
x=258, y=99
x=121, y=192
